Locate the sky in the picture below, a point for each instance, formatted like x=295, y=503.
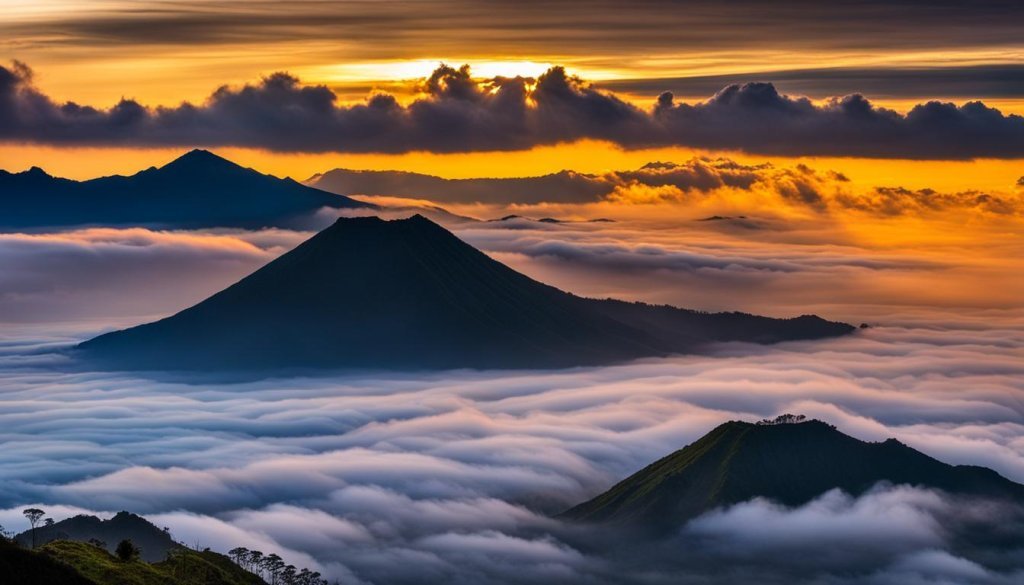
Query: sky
x=119, y=61
x=863, y=161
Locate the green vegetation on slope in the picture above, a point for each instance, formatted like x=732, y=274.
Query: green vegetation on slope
x=790, y=463
x=66, y=562
x=101, y=567
x=24, y=567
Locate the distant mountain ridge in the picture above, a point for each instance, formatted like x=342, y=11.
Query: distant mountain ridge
x=790, y=463
x=198, y=189
x=564, y=186
x=153, y=542
x=407, y=294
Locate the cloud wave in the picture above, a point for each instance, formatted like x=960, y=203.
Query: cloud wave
x=452, y=476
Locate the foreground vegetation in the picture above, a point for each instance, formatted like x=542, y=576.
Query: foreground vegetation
x=68, y=560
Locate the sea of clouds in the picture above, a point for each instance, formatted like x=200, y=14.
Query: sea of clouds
x=454, y=477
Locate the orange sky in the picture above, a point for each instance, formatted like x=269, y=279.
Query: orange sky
x=587, y=156
x=97, y=51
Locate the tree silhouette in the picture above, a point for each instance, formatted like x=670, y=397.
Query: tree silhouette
x=240, y=555
x=255, y=559
x=274, y=567
x=274, y=564
x=126, y=551
x=33, y=515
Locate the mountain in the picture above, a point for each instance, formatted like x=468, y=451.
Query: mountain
x=184, y=567
x=153, y=542
x=67, y=562
x=562, y=187
x=198, y=189
x=407, y=294
x=25, y=567
x=78, y=551
x=789, y=462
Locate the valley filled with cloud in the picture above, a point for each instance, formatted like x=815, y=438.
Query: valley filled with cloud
x=454, y=292
x=457, y=476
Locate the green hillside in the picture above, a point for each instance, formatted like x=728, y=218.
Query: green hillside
x=24, y=567
x=185, y=567
x=790, y=463
x=65, y=562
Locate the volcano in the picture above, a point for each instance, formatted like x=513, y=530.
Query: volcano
x=407, y=294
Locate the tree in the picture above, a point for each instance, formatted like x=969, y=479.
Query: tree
x=126, y=551
x=273, y=564
x=239, y=555
x=255, y=559
x=33, y=515
x=48, y=522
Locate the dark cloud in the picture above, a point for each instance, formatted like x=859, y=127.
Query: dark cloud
x=460, y=114
x=967, y=82
x=594, y=28
x=756, y=117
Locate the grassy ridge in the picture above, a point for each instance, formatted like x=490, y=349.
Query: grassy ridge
x=67, y=562
x=788, y=463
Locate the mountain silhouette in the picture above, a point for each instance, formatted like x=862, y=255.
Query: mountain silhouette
x=407, y=294
x=154, y=543
x=790, y=463
x=198, y=189
x=562, y=187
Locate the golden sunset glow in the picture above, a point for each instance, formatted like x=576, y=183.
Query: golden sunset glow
x=584, y=157
x=511, y=292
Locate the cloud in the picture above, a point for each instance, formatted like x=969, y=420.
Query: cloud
x=756, y=117
x=903, y=201
x=697, y=183
x=452, y=476
x=459, y=113
x=596, y=31
x=70, y=275
x=832, y=520
x=955, y=81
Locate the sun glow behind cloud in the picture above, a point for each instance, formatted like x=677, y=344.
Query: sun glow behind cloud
x=417, y=69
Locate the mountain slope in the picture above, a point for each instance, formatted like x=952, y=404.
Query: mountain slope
x=185, y=567
x=407, y=294
x=153, y=543
x=789, y=463
x=25, y=567
x=199, y=189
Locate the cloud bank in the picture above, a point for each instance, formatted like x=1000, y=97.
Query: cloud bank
x=459, y=113
x=692, y=182
x=604, y=31
x=70, y=276
x=452, y=477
